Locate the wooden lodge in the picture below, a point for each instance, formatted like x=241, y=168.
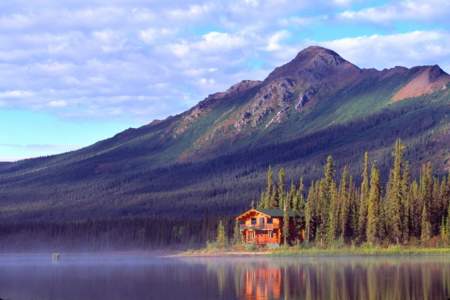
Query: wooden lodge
x=264, y=227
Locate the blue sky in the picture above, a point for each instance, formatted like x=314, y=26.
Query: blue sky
x=73, y=72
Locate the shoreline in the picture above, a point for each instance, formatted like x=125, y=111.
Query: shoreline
x=318, y=252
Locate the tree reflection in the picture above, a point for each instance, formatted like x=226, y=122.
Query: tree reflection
x=326, y=278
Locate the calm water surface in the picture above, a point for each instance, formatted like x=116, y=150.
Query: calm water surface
x=139, y=276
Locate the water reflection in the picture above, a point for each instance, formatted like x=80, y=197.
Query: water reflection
x=262, y=283
x=143, y=277
x=336, y=278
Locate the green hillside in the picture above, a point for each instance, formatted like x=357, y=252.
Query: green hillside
x=211, y=159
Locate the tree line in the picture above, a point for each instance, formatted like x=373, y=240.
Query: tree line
x=337, y=209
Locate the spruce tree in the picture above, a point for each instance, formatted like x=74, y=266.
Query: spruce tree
x=322, y=212
x=309, y=211
x=237, y=236
x=373, y=207
x=292, y=200
x=333, y=222
x=362, y=220
x=436, y=208
x=415, y=210
x=325, y=195
x=269, y=194
x=443, y=232
x=281, y=195
x=262, y=200
x=286, y=223
x=426, y=200
x=221, y=239
x=405, y=202
x=299, y=207
x=425, y=233
x=300, y=196
x=447, y=225
x=394, y=196
x=345, y=206
x=354, y=199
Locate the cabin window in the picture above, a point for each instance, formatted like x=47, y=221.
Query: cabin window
x=269, y=221
x=261, y=221
x=253, y=221
x=242, y=222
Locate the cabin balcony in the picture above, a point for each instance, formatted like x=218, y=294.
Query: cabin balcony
x=259, y=226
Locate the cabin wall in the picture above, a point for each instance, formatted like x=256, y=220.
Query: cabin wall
x=260, y=229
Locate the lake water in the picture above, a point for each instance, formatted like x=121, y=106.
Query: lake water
x=142, y=276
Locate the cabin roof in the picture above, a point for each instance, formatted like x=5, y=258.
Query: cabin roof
x=275, y=212
x=270, y=212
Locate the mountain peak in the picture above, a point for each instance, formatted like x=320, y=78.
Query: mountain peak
x=313, y=52
x=426, y=80
x=315, y=60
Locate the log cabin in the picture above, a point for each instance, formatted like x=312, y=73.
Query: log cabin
x=264, y=227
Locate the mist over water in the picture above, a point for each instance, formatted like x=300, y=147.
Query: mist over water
x=146, y=276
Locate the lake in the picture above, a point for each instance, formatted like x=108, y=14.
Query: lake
x=142, y=276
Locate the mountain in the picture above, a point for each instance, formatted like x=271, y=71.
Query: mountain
x=212, y=158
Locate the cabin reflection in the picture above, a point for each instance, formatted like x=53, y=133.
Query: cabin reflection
x=263, y=283
x=349, y=279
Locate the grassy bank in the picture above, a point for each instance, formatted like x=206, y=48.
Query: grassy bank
x=316, y=251
x=360, y=251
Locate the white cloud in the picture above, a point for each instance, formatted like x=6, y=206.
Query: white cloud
x=343, y=2
x=15, y=94
x=406, y=49
x=191, y=12
x=57, y=103
x=148, y=59
x=152, y=35
x=219, y=41
x=273, y=43
x=209, y=43
x=401, y=10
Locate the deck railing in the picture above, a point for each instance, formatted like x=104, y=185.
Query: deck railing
x=260, y=226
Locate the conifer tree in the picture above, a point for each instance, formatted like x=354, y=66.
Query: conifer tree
x=407, y=209
x=333, y=222
x=426, y=200
x=281, y=193
x=221, y=239
x=447, y=225
x=436, y=207
x=354, y=199
x=269, y=194
x=292, y=196
x=443, y=231
x=443, y=198
x=325, y=194
x=345, y=207
x=415, y=210
x=322, y=212
x=405, y=202
x=237, y=236
x=362, y=220
x=394, y=196
x=308, y=212
x=285, y=223
x=425, y=234
x=311, y=212
x=300, y=205
x=373, y=207
x=298, y=201
x=262, y=200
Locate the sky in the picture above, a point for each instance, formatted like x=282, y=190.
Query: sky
x=74, y=72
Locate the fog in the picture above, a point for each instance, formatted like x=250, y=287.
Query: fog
x=156, y=275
